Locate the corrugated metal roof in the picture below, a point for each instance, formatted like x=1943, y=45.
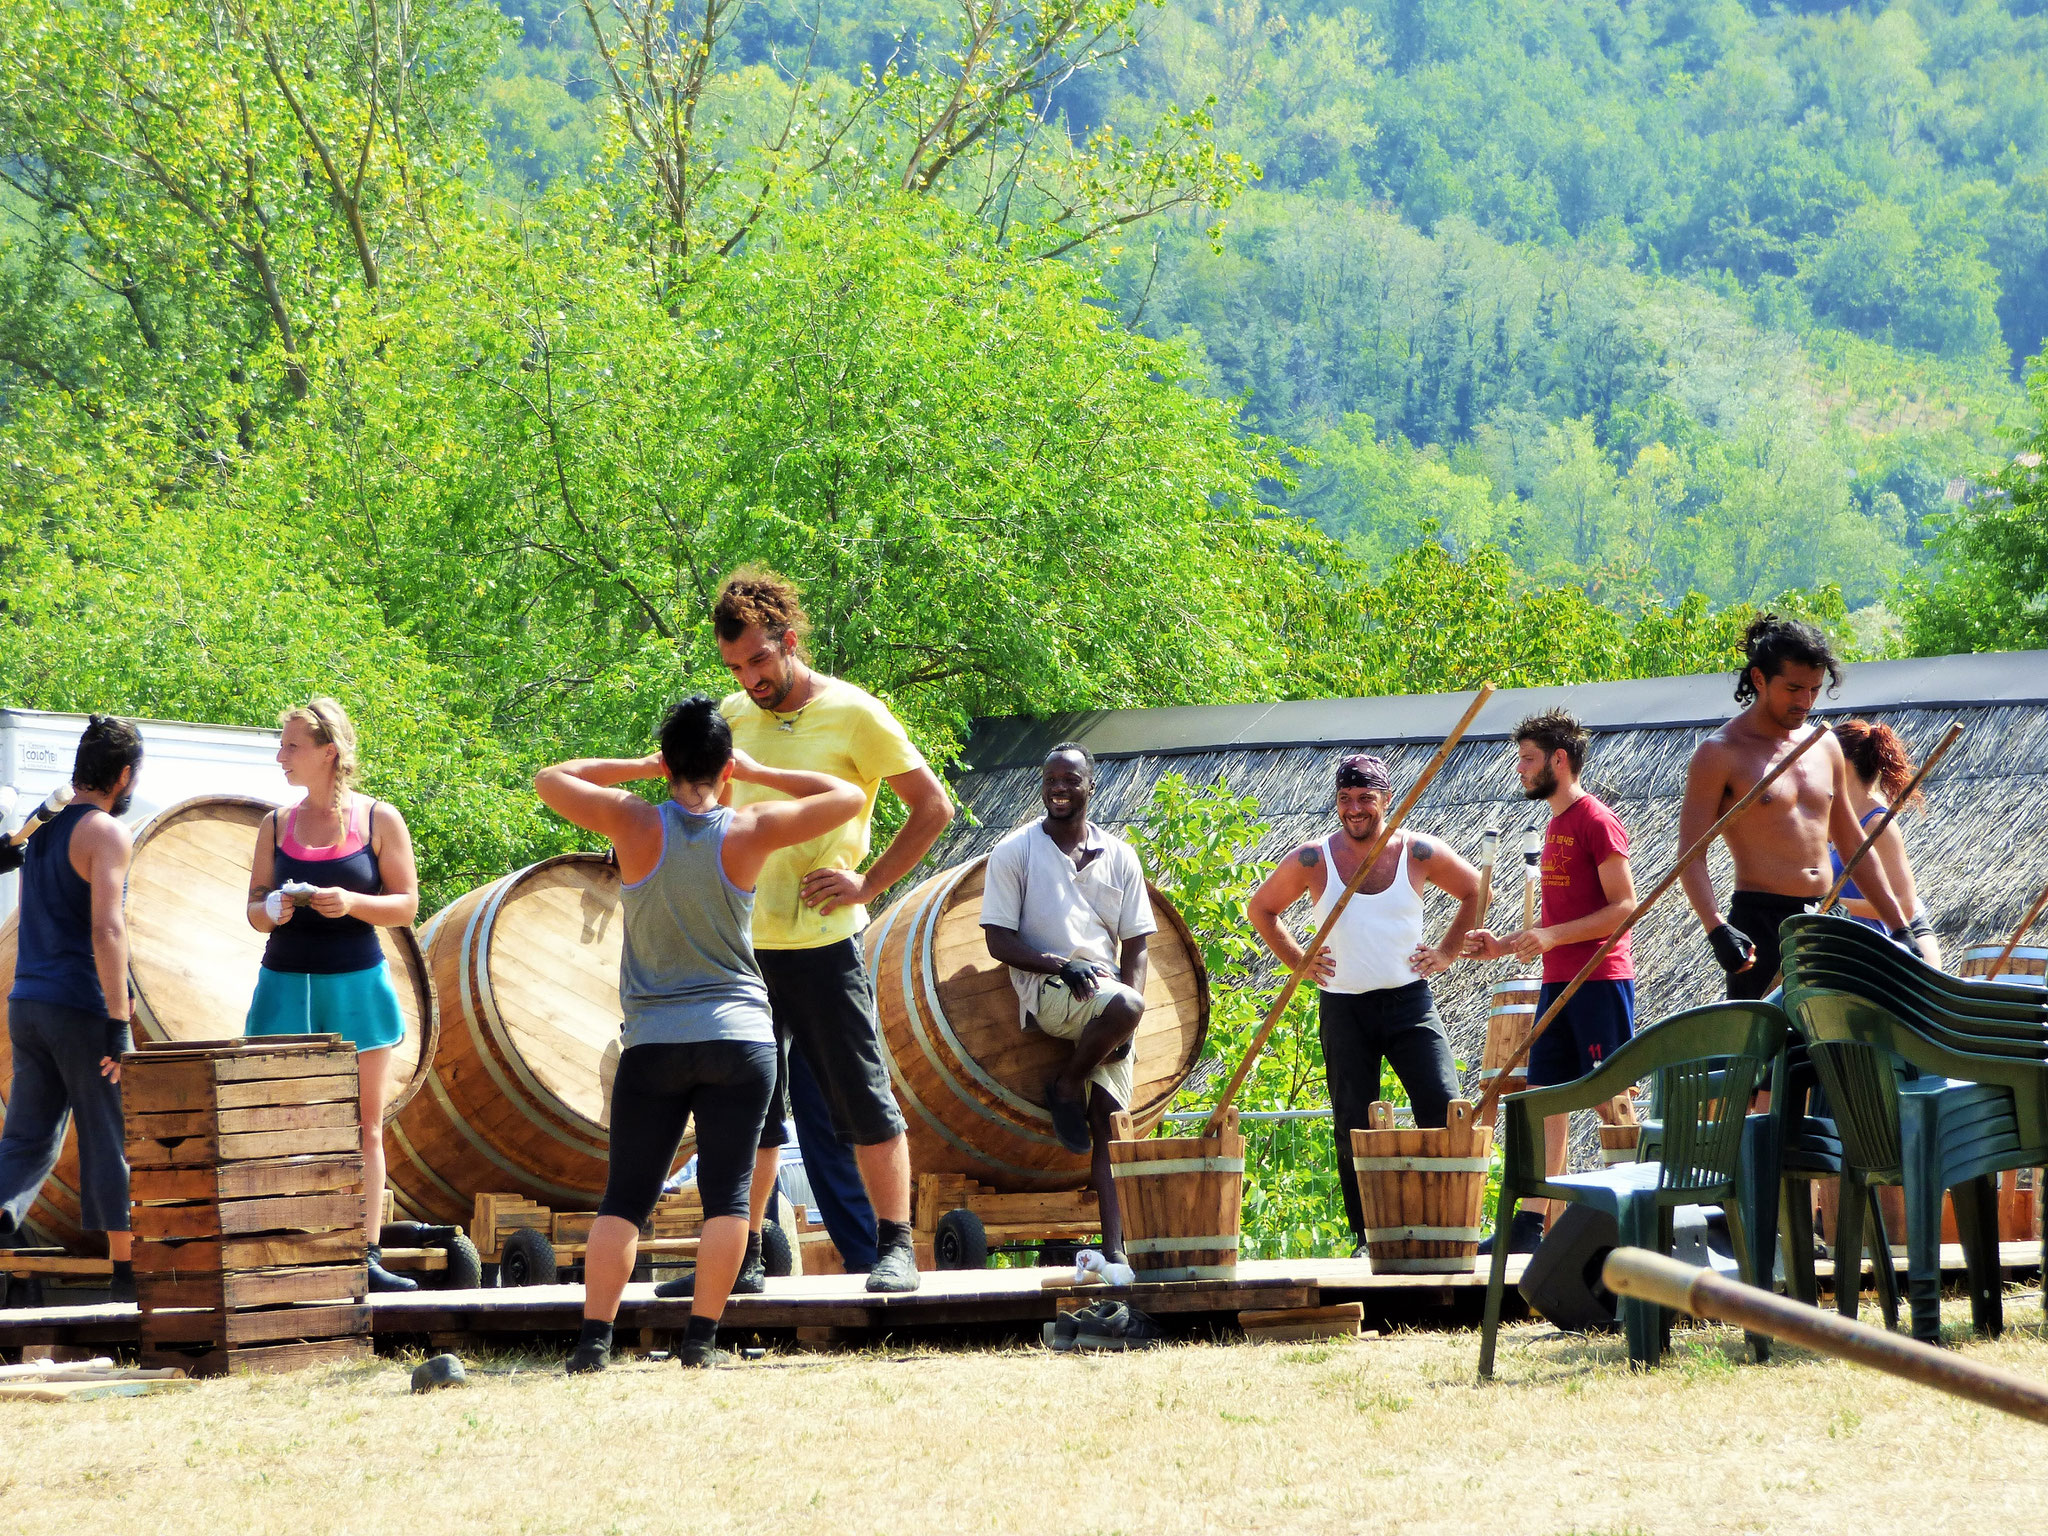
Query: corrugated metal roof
x=2010, y=677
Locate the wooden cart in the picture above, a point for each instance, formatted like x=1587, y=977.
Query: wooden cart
x=958, y=1223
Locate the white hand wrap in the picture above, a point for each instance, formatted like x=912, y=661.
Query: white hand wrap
x=273, y=906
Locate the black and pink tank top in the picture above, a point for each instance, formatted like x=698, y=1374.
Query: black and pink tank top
x=311, y=944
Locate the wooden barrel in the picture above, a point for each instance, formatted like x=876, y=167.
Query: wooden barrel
x=1509, y=1018
x=1182, y=1200
x=192, y=963
x=1422, y=1191
x=2027, y=965
x=970, y=1081
x=526, y=972
x=1619, y=1143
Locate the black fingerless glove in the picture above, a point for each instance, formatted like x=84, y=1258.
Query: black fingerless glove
x=1079, y=976
x=1731, y=947
x=1909, y=941
x=10, y=856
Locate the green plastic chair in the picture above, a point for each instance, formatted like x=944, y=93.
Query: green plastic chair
x=2018, y=1012
x=1706, y=1062
x=1964, y=1118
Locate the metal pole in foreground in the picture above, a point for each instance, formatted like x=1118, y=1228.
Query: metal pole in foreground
x=1703, y=1293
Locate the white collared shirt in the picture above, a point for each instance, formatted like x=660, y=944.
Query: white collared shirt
x=1032, y=886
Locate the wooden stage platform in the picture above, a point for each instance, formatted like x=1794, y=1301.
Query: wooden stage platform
x=835, y=1308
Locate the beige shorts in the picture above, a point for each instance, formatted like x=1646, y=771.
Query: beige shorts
x=1063, y=1016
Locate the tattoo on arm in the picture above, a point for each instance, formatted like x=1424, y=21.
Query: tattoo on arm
x=1308, y=857
x=1421, y=848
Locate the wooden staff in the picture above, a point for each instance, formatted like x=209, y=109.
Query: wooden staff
x=1532, y=872
x=2013, y=943
x=54, y=802
x=1704, y=1293
x=1489, y=850
x=1214, y=1124
x=1948, y=739
x=1491, y=1097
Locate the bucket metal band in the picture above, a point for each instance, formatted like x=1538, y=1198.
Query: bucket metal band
x=1187, y=1272
x=1181, y=1244
x=1177, y=1165
x=1612, y=1155
x=1451, y=1266
x=1419, y=1235
x=1488, y=1074
x=1419, y=1164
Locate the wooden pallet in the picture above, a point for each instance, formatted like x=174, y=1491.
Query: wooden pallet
x=671, y=1232
x=1009, y=1220
x=247, y=1181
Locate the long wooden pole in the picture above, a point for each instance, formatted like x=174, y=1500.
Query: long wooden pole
x=1949, y=738
x=1704, y=1293
x=1484, y=1113
x=1214, y=1124
x=2013, y=943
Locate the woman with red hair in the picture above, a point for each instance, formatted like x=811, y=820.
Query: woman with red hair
x=1879, y=770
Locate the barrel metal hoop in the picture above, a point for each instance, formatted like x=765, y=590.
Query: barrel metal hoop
x=573, y=1199
x=934, y=911
x=476, y=947
x=1182, y=1244
x=1177, y=1165
x=1187, y=1272
x=1422, y=1235
x=918, y=1032
x=397, y=1134
x=1420, y=1164
x=1450, y=1266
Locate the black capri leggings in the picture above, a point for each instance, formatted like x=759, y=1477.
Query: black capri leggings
x=724, y=1085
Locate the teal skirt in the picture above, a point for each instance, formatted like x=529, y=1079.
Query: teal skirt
x=359, y=1006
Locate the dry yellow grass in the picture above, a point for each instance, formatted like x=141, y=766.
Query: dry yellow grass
x=1390, y=1435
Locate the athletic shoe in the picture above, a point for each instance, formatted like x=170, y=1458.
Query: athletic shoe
x=696, y=1355
x=121, y=1288
x=1115, y=1325
x=1525, y=1236
x=752, y=1281
x=895, y=1270
x=1060, y=1332
x=381, y=1279
x=588, y=1357
x=1069, y=1119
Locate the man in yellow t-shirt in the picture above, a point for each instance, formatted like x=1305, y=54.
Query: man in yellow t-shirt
x=810, y=903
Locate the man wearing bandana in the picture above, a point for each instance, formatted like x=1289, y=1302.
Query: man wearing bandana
x=1373, y=1000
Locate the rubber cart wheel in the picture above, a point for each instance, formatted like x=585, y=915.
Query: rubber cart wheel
x=528, y=1259
x=775, y=1251
x=961, y=1241
x=465, y=1271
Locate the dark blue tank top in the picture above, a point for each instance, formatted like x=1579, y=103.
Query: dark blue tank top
x=313, y=945
x=54, y=962
x=1849, y=891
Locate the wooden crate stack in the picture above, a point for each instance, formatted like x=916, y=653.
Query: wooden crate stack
x=246, y=1172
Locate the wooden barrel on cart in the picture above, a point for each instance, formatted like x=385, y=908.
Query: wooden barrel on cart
x=970, y=1080
x=1422, y=1191
x=193, y=958
x=2027, y=965
x=526, y=975
x=1509, y=1018
x=1182, y=1199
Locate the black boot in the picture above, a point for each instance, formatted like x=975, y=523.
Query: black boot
x=593, y=1351
x=1525, y=1235
x=381, y=1279
x=751, y=1281
x=896, y=1264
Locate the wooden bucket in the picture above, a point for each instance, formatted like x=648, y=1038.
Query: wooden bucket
x=2027, y=965
x=971, y=1081
x=193, y=958
x=1182, y=1199
x=1618, y=1143
x=1509, y=1018
x=1422, y=1191
x=526, y=971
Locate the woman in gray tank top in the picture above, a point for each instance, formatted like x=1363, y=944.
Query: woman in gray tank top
x=697, y=1035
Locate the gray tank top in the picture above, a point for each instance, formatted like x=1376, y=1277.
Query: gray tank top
x=688, y=973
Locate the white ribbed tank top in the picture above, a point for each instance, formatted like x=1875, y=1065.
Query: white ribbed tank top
x=1377, y=933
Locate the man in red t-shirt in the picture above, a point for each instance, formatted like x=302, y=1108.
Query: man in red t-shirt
x=1587, y=893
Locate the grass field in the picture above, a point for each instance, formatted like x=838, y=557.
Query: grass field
x=1386, y=1435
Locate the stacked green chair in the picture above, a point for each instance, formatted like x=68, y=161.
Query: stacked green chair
x=1706, y=1063
x=1930, y=1089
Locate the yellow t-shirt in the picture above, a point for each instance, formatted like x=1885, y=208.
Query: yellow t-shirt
x=848, y=733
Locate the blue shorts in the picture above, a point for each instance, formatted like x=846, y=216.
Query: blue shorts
x=360, y=1006
x=1593, y=1026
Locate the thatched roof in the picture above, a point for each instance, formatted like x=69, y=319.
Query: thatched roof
x=1979, y=851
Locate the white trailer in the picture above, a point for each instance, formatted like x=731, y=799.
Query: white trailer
x=179, y=760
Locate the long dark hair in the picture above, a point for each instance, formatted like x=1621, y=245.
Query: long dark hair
x=1878, y=757
x=1771, y=641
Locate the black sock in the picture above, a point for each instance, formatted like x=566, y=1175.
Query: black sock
x=702, y=1330
x=124, y=1269
x=753, y=1250
x=892, y=1234
x=595, y=1332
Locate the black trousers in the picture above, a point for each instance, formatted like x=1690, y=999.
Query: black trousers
x=57, y=1081
x=1759, y=915
x=1360, y=1030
